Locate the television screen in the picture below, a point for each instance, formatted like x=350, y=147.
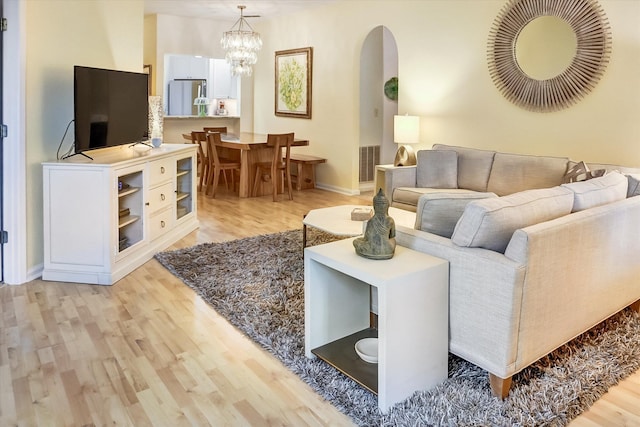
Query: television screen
x=110, y=107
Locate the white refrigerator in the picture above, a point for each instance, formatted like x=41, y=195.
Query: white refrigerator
x=181, y=94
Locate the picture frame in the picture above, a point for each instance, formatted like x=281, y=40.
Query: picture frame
x=293, y=78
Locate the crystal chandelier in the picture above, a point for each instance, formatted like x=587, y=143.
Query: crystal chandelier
x=241, y=44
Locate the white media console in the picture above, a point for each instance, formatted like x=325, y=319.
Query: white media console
x=107, y=216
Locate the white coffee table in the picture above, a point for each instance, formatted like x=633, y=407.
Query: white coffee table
x=413, y=296
x=336, y=220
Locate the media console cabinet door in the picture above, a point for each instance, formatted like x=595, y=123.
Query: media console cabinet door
x=76, y=206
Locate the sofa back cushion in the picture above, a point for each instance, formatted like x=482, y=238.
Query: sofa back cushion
x=598, y=191
x=512, y=173
x=438, y=211
x=474, y=166
x=490, y=223
x=609, y=168
x=437, y=169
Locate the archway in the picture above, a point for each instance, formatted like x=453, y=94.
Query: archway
x=378, y=64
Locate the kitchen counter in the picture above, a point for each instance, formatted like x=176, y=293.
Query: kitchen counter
x=175, y=126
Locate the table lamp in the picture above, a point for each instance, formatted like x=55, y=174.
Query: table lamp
x=406, y=130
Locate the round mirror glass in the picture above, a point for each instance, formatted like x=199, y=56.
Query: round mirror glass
x=545, y=47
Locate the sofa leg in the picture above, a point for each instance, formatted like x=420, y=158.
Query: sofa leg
x=499, y=386
x=636, y=306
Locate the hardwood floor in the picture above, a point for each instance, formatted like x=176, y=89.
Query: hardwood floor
x=148, y=351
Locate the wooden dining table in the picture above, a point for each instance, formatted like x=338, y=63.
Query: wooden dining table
x=250, y=148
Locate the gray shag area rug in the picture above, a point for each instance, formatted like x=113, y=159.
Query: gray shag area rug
x=257, y=283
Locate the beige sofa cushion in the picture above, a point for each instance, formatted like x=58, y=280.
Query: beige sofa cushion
x=598, y=191
x=512, y=173
x=407, y=197
x=490, y=223
x=437, y=169
x=474, y=166
x=439, y=210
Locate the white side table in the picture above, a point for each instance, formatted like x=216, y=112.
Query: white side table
x=412, y=332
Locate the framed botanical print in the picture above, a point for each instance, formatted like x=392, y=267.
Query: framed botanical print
x=293, y=82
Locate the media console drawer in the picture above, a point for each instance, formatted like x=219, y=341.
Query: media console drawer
x=160, y=171
x=160, y=223
x=161, y=197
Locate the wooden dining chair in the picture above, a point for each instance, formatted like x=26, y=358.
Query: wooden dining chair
x=201, y=158
x=200, y=138
x=220, y=129
x=279, y=164
x=218, y=166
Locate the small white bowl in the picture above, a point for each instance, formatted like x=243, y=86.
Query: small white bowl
x=141, y=149
x=367, y=349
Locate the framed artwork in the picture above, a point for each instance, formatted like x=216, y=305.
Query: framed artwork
x=293, y=82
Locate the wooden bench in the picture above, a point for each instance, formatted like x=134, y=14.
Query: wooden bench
x=304, y=173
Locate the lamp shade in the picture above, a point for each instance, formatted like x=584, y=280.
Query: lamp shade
x=406, y=129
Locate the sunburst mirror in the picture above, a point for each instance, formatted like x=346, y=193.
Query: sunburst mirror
x=546, y=55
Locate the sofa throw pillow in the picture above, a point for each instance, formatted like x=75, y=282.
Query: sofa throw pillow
x=437, y=169
x=474, y=166
x=490, y=223
x=598, y=191
x=634, y=185
x=439, y=210
x=580, y=172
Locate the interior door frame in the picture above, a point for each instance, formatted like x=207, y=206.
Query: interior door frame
x=15, y=166
x=1, y=151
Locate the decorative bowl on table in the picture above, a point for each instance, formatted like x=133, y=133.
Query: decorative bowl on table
x=141, y=149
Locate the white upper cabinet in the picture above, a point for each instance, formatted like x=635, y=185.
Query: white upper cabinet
x=224, y=84
x=188, y=67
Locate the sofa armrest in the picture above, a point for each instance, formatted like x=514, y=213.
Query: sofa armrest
x=580, y=269
x=396, y=176
x=485, y=291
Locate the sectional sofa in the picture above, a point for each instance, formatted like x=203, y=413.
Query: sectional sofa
x=534, y=261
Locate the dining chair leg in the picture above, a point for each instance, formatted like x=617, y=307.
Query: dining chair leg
x=214, y=186
x=256, y=182
x=203, y=176
x=288, y=175
x=226, y=182
x=274, y=183
x=207, y=183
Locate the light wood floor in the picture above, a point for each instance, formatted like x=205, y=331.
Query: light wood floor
x=148, y=351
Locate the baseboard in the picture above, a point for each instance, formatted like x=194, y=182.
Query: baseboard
x=340, y=190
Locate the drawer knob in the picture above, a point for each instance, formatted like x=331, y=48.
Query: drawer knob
x=162, y=197
x=161, y=169
x=162, y=224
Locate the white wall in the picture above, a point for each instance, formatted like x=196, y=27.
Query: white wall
x=444, y=79
x=378, y=64
x=61, y=34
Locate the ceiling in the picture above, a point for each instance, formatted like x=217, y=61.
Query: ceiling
x=227, y=10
